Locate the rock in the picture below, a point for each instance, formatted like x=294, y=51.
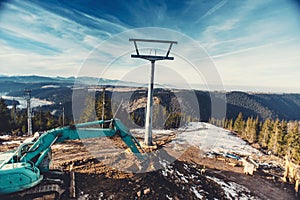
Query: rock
x=146, y=191
x=139, y=194
x=101, y=194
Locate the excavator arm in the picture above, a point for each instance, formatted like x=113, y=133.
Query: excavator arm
x=21, y=169
x=42, y=145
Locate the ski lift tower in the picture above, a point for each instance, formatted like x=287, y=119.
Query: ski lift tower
x=103, y=104
x=27, y=96
x=152, y=59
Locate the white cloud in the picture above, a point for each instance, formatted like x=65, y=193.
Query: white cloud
x=213, y=9
x=272, y=65
x=243, y=45
x=72, y=40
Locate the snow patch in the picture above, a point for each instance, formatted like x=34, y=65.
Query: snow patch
x=23, y=104
x=197, y=194
x=154, y=131
x=207, y=137
x=50, y=86
x=4, y=137
x=12, y=142
x=182, y=177
x=233, y=190
x=167, y=169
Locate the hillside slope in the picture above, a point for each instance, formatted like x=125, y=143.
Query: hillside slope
x=282, y=106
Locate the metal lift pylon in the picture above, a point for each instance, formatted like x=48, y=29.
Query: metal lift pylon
x=152, y=59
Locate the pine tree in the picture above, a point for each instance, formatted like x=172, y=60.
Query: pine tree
x=247, y=130
x=239, y=124
x=265, y=133
x=212, y=121
x=293, y=142
x=230, y=125
x=188, y=119
x=223, y=123
x=4, y=117
x=253, y=132
x=51, y=122
x=159, y=115
x=24, y=129
x=173, y=121
x=137, y=118
x=13, y=114
x=88, y=113
x=276, y=138
x=282, y=148
x=41, y=121
x=107, y=106
x=22, y=122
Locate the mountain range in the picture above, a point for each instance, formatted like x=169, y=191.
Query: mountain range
x=59, y=90
x=261, y=105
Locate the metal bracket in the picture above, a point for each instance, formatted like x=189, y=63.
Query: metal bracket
x=151, y=57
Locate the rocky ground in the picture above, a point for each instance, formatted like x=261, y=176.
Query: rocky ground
x=171, y=171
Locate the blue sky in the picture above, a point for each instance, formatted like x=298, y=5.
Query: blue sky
x=253, y=44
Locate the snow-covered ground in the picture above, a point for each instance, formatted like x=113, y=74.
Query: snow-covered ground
x=207, y=137
x=5, y=137
x=233, y=190
x=9, y=141
x=34, y=101
x=210, y=138
x=190, y=178
x=50, y=86
x=154, y=131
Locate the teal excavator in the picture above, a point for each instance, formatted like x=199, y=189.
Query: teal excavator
x=24, y=168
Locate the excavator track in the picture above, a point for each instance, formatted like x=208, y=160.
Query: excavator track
x=55, y=186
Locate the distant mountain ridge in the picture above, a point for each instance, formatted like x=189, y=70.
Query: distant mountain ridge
x=263, y=106
x=57, y=79
x=28, y=79
x=19, y=83
x=59, y=90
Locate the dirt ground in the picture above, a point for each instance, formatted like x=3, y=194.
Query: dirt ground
x=105, y=172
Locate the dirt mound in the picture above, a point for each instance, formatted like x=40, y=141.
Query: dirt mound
x=178, y=180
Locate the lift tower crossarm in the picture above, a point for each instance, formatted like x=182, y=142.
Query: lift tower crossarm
x=151, y=57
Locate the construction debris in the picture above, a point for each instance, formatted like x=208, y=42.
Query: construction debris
x=291, y=173
x=250, y=165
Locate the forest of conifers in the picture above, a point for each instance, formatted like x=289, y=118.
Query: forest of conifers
x=278, y=137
